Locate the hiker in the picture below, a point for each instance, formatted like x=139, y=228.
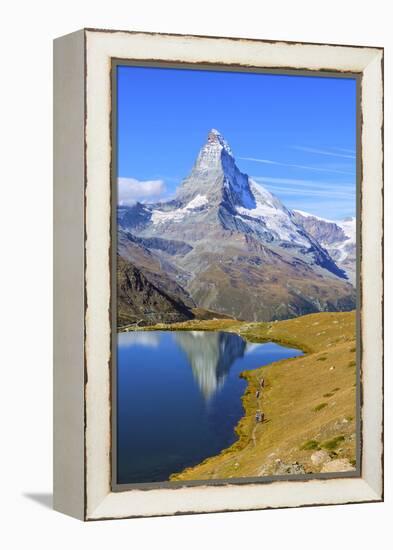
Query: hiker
x=262, y=382
x=259, y=416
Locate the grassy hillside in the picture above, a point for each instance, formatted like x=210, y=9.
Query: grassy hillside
x=309, y=402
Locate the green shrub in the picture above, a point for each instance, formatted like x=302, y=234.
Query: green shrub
x=332, y=444
x=320, y=407
x=310, y=445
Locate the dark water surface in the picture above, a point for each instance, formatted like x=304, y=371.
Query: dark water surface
x=179, y=398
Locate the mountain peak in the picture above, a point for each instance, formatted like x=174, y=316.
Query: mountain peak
x=212, y=153
x=216, y=139
x=216, y=176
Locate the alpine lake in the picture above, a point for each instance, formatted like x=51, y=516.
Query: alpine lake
x=179, y=397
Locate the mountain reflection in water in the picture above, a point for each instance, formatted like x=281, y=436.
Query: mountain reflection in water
x=179, y=397
x=210, y=355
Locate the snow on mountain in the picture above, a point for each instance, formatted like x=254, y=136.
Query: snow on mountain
x=348, y=225
x=210, y=153
x=346, y=248
x=346, y=235
x=216, y=175
x=177, y=215
x=337, y=237
x=217, y=197
x=269, y=210
x=244, y=253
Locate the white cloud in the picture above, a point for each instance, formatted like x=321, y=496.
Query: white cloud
x=351, y=151
x=346, y=155
x=263, y=161
x=290, y=182
x=289, y=186
x=146, y=339
x=300, y=166
x=131, y=190
x=314, y=192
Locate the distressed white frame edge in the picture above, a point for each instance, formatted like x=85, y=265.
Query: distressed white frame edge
x=69, y=274
x=101, y=503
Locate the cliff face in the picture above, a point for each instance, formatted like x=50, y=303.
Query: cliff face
x=140, y=301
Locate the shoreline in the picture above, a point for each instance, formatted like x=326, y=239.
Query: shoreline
x=244, y=436
x=280, y=444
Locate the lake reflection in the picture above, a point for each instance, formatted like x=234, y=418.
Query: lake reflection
x=179, y=397
x=210, y=356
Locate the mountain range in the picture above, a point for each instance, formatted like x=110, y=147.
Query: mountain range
x=225, y=245
x=337, y=237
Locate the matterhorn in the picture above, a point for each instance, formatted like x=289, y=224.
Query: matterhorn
x=225, y=245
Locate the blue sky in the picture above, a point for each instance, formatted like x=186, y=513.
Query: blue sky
x=296, y=135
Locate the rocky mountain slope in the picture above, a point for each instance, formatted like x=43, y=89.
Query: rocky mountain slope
x=227, y=244
x=337, y=237
x=140, y=301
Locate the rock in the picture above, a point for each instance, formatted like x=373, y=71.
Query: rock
x=331, y=368
x=281, y=468
x=338, y=465
x=337, y=237
x=319, y=457
x=139, y=301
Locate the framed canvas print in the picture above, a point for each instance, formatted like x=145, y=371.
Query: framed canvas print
x=218, y=274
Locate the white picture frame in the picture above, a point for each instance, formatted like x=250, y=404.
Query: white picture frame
x=82, y=258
